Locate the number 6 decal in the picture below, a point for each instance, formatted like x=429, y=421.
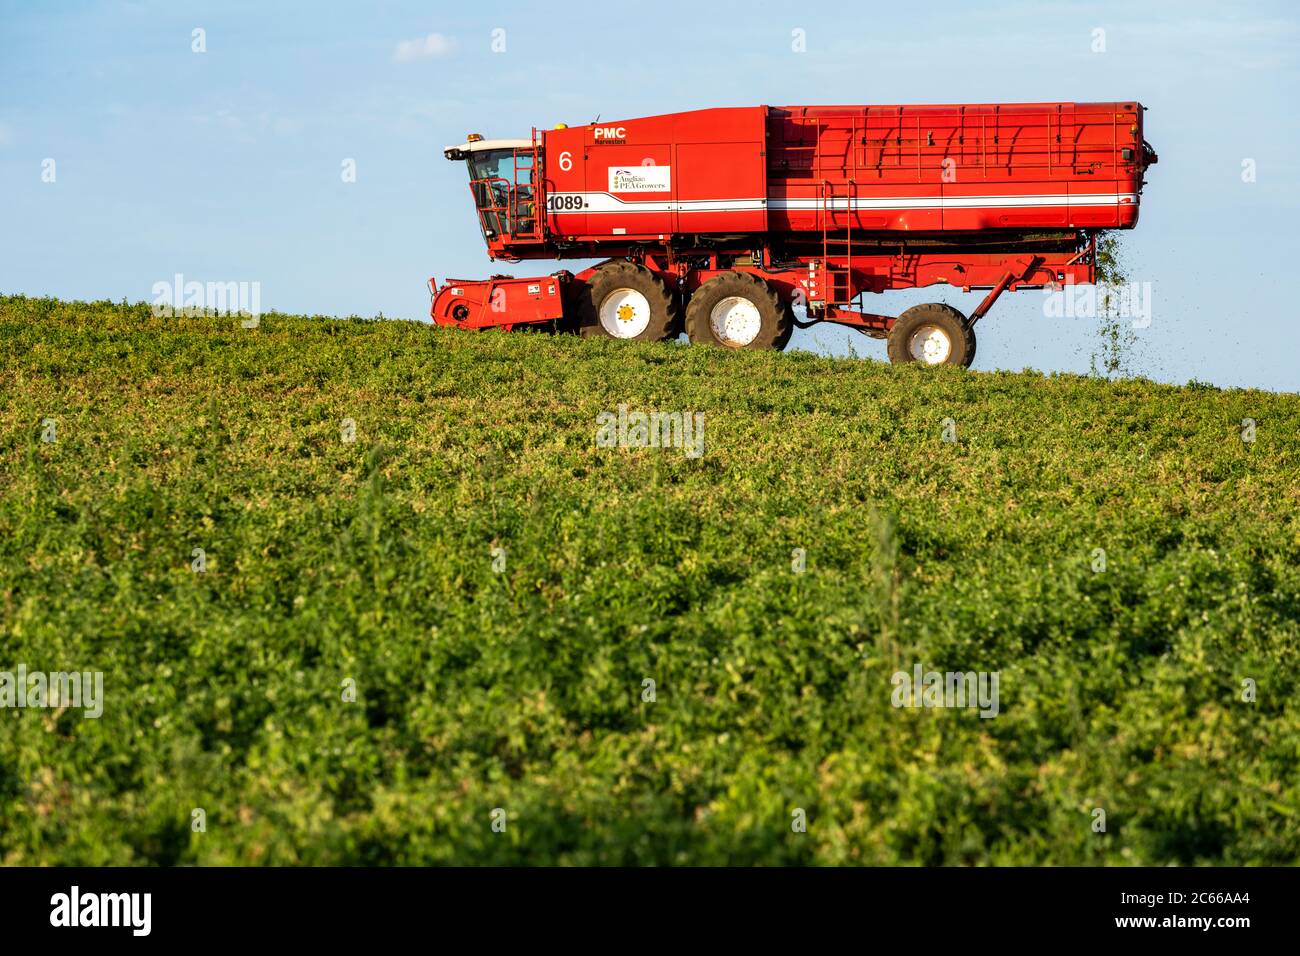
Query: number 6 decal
x=566, y=161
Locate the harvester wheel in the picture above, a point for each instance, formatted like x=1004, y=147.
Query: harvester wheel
x=626, y=301
x=932, y=334
x=783, y=339
x=738, y=310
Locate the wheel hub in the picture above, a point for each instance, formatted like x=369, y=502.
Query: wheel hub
x=735, y=321
x=930, y=345
x=625, y=313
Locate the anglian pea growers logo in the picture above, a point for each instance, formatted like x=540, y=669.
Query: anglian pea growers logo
x=640, y=179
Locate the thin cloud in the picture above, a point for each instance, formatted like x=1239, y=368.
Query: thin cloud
x=422, y=48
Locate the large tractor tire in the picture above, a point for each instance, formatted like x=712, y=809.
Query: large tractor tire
x=932, y=334
x=626, y=301
x=738, y=310
x=783, y=339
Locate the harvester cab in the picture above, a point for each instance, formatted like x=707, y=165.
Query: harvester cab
x=501, y=182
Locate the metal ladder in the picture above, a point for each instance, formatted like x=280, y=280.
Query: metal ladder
x=838, y=285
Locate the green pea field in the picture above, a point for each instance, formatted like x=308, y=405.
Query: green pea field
x=376, y=593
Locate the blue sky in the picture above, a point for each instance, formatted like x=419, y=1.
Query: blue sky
x=225, y=165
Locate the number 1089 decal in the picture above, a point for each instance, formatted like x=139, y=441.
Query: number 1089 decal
x=559, y=202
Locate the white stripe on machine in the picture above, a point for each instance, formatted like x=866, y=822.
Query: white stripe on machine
x=601, y=202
